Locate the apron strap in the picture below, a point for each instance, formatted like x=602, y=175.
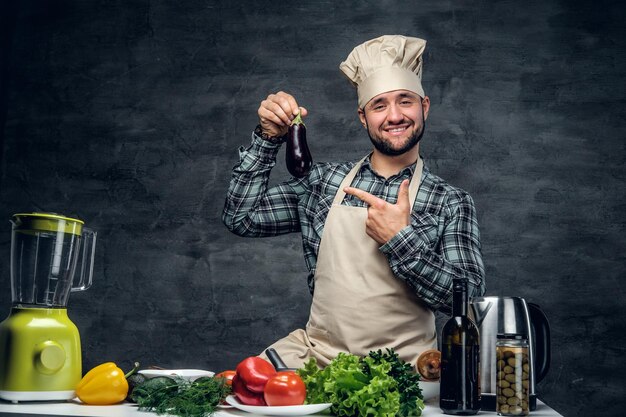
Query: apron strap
x=413, y=187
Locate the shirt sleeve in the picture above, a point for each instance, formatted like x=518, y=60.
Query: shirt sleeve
x=430, y=270
x=252, y=209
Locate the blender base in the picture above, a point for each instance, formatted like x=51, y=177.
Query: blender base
x=18, y=396
x=40, y=356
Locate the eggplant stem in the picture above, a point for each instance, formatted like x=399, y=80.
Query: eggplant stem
x=298, y=120
x=132, y=371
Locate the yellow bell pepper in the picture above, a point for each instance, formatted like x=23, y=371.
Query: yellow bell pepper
x=103, y=385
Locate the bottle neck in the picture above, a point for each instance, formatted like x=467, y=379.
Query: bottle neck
x=459, y=301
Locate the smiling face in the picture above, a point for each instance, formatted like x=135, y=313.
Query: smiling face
x=395, y=121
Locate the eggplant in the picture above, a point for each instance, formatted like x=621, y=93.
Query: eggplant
x=298, y=157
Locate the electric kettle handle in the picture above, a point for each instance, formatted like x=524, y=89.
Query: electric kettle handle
x=541, y=328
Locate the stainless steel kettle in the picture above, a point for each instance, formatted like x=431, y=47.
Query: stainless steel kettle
x=495, y=315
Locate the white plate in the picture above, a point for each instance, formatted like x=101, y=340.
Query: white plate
x=430, y=389
x=286, y=410
x=188, y=374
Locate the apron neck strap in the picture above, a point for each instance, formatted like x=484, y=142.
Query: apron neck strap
x=413, y=187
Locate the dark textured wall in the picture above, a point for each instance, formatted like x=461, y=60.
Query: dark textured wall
x=128, y=114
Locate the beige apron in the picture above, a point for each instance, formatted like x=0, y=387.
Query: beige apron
x=358, y=304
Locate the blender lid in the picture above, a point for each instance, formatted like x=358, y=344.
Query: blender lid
x=50, y=222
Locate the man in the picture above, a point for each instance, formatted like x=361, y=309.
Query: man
x=383, y=238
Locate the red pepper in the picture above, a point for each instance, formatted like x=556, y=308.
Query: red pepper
x=254, y=372
x=244, y=395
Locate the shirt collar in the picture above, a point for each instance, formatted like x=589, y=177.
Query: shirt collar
x=406, y=171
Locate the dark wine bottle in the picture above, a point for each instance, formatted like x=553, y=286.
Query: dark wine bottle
x=460, y=358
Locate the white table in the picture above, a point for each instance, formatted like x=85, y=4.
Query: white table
x=8, y=409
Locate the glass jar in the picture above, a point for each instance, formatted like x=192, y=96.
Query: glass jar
x=512, y=380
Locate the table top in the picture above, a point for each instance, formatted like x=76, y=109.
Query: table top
x=73, y=408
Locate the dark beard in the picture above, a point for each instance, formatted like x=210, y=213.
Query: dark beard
x=386, y=149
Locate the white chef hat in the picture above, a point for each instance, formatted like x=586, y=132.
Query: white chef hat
x=387, y=63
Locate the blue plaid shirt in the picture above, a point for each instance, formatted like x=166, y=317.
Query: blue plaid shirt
x=442, y=242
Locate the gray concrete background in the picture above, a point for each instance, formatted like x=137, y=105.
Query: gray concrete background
x=129, y=114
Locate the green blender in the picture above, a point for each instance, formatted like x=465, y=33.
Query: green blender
x=40, y=353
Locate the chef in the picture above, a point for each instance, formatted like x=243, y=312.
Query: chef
x=383, y=237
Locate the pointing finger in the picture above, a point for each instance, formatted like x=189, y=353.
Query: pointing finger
x=403, y=194
x=364, y=196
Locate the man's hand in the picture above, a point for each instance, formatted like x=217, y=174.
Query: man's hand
x=276, y=113
x=385, y=220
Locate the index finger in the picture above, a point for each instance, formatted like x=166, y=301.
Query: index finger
x=287, y=100
x=364, y=196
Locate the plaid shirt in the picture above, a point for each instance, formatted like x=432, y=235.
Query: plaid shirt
x=442, y=242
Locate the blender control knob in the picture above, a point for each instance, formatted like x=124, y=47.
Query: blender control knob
x=50, y=357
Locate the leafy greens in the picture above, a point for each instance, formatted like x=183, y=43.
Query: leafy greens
x=378, y=385
x=179, y=397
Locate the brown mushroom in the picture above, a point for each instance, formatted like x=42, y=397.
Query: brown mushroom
x=429, y=364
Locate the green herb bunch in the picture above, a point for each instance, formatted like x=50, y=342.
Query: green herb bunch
x=180, y=397
x=411, y=398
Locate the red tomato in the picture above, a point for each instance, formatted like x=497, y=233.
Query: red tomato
x=254, y=372
x=285, y=388
x=227, y=375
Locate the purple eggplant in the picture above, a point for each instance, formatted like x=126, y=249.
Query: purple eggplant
x=298, y=156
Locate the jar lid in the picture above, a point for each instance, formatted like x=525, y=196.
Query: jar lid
x=514, y=336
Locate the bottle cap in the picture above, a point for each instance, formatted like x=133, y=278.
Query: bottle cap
x=460, y=284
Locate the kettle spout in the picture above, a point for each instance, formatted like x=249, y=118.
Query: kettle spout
x=480, y=308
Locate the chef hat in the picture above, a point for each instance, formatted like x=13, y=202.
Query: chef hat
x=387, y=63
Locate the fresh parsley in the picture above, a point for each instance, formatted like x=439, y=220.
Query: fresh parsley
x=179, y=397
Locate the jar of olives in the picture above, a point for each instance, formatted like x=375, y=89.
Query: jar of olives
x=512, y=380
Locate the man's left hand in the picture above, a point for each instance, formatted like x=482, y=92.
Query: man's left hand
x=385, y=220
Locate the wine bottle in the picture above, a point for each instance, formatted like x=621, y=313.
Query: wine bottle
x=460, y=358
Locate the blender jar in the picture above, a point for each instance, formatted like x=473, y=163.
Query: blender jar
x=45, y=252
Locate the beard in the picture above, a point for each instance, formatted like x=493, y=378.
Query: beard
x=386, y=147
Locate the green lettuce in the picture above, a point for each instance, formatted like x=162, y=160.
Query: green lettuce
x=378, y=385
